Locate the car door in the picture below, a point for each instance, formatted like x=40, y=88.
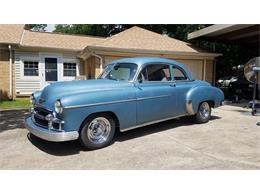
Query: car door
x=156, y=97
x=182, y=86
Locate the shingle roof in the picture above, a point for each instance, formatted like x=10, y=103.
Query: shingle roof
x=11, y=33
x=135, y=38
x=139, y=38
x=57, y=40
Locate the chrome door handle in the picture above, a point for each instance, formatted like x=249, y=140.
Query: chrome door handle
x=173, y=85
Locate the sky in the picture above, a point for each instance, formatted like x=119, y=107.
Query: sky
x=50, y=27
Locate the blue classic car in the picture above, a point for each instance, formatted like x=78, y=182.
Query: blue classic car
x=130, y=93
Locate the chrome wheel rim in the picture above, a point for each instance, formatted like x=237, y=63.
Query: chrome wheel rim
x=99, y=130
x=204, y=110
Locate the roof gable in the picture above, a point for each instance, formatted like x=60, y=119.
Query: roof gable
x=11, y=33
x=139, y=38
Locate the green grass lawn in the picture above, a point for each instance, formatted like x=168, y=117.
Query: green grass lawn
x=18, y=103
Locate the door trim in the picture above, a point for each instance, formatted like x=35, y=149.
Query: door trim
x=42, y=56
x=152, y=97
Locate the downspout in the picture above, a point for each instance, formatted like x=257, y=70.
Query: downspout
x=101, y=62
x=11, y=72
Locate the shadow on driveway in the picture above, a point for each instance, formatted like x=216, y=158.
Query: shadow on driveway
x=56, y=148
x=12, y=119
x=74, y=147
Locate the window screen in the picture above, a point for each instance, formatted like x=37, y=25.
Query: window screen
x=69, y=69
x=31, y=68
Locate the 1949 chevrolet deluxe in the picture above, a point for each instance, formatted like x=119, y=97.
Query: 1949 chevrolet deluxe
x=130, y=93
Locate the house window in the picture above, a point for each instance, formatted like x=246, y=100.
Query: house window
x=69, y=69
x=31, y=68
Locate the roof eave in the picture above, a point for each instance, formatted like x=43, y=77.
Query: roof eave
x=9, y=43
x=216, y=28
x=90, y=49
x=49, y=48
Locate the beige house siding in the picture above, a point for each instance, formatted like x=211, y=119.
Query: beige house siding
x=209, y=71
x=4, y=75
x=194, y=66
x=90, y=68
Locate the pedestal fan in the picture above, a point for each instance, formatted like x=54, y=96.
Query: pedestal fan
x=252, y=74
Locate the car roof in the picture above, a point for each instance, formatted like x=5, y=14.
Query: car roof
x=143, y=60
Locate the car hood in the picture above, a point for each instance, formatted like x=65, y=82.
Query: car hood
x=58, y=90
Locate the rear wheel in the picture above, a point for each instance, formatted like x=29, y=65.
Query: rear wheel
x=204, y=113
x=97, y=131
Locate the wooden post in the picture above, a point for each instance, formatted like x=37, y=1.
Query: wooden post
x=204, y=69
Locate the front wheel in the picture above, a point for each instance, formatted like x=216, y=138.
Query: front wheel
x=97, y=131
x=204, y=113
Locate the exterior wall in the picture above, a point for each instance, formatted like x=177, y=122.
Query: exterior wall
x=209, y=71
x=90, y=67
x=25, y=85
x=4, y=75
x=195, y=67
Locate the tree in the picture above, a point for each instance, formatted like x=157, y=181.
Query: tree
x=37, y=27
x=88, y=29
x=178, y=31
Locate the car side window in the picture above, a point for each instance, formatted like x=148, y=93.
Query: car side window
x=155, y=72
x=179, y=74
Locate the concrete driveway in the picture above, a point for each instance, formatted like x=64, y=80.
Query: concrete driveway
x=231, y=140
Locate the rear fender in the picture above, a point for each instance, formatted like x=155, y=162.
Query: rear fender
x=199, y=94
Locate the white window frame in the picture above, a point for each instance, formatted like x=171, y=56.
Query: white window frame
x=67, y=60
x=32, y=59
x=70, y=69
x=35, y=63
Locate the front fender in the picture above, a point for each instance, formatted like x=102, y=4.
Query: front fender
x=199, y=94
x=122, y=103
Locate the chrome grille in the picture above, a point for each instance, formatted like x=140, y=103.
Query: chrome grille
x=42, y=111
x=39, y=116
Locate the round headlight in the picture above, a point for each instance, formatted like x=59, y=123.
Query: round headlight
x=58, y=107
x=32, y=99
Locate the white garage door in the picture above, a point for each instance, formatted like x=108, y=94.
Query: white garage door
x=194, y=66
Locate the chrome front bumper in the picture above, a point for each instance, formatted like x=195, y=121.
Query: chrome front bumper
x=50, y=135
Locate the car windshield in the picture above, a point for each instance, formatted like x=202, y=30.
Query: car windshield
x=119, y=72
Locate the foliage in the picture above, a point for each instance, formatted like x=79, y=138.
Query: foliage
x=173, y=30
x=104, y=30
x=17, y=103
x=37, y=27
